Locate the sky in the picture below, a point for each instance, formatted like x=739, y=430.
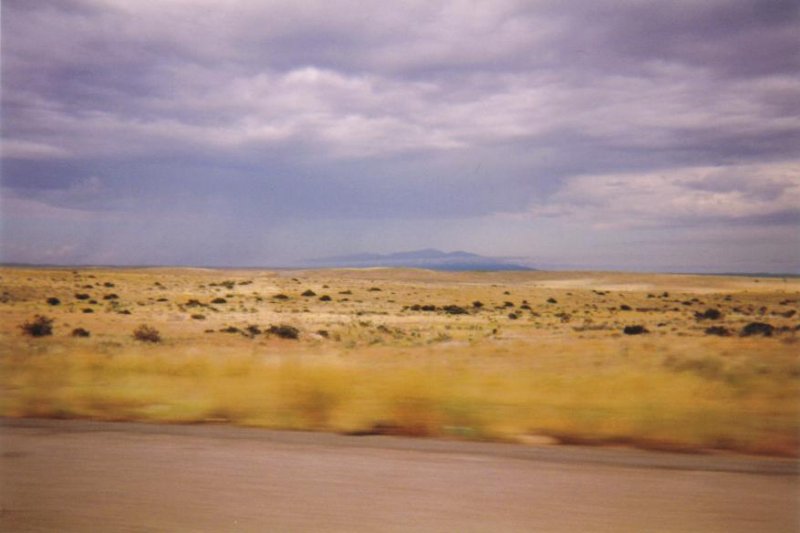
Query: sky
x=602, y=134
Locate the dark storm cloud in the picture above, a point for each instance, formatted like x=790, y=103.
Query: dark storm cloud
x=270, y=113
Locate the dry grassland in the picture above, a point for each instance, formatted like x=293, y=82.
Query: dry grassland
x=542, y=360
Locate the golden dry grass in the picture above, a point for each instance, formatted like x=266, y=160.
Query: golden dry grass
x=562, y=370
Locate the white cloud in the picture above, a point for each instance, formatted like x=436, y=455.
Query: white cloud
x=19, y=149
x=678, y=195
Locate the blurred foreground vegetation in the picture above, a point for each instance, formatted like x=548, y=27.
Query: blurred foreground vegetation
x=685, y=394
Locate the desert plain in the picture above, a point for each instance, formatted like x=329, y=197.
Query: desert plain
x=653, y=361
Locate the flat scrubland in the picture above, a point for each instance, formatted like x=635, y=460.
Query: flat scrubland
x=531, y=357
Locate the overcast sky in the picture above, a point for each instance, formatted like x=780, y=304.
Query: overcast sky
x=637, y=135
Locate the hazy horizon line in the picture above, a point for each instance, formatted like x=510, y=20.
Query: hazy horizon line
x=573, y=268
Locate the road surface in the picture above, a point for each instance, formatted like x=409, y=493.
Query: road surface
x=89, y=476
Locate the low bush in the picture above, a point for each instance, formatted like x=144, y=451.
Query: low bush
x=39, y=326
x=80, y=332
x=308, y=293
x=757, y=328
x=284, y=331
x=719, y=331
x=145, y=333
x=251, y=331
x=53, y=301
x=635, y=330
x=708, y=314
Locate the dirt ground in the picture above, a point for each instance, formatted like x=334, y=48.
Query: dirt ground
x=649, y=360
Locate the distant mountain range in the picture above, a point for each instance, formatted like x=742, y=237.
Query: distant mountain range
x=428, y=258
